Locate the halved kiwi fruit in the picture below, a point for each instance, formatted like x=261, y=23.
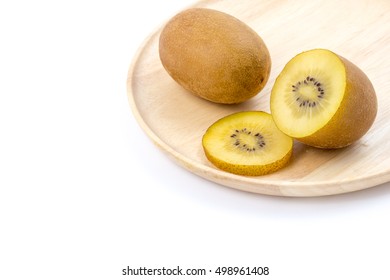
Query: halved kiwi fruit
x=247, y=143
x=323, y=100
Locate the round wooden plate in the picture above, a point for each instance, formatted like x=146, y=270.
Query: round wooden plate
x=356, y=29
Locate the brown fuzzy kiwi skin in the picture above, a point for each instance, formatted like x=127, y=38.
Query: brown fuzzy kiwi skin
x=249, y=170
x=214, y=55
x=355, y=115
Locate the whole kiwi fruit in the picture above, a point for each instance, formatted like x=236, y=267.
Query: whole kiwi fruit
x=214, y=55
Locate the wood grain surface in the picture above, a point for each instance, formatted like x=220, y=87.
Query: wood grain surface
x=359, y=30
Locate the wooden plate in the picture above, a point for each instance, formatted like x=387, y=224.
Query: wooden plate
x=356, y=29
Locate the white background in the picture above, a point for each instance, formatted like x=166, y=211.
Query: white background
x=84, y=193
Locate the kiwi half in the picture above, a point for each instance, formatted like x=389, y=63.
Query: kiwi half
x=247, y=143
x=323, y=100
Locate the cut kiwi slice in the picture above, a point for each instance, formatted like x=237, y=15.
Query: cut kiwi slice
x=247, y=143
x=323, y=100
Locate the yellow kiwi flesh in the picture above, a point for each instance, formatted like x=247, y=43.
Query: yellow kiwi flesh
x=323, y=100
x=247, y=143
x=214, y=55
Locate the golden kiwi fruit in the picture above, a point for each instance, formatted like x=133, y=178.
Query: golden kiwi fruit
x=247, y=143
x=323, y=100
x=214, y=55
